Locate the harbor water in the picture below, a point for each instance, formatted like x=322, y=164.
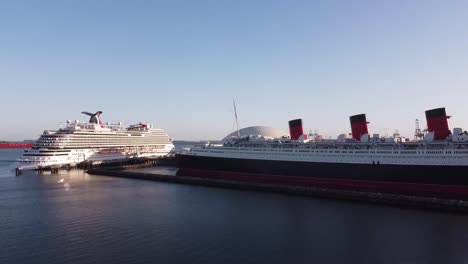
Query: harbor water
x=72, y=217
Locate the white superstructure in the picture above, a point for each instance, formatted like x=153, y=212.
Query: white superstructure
x=76, y=142
x=378, y=152
x=438, y=147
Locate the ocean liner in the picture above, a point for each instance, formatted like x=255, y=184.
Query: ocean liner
x=436, y=164
x=94, y=141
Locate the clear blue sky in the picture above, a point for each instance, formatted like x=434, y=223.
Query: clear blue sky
x=178, y=64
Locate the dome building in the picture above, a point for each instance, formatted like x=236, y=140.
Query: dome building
x=258, y=131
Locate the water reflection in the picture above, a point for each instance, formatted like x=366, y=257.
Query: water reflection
x=73, y=217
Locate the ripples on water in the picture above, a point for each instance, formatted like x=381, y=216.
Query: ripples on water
x=73, y=217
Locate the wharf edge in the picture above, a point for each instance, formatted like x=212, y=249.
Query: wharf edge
x=448, y=205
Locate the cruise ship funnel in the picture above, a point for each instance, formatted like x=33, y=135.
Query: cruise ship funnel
x=437, y=123
x=296, y=129
x=94, y=118
x=358, y=126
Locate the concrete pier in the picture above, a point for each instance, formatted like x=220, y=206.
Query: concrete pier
x=458, y=206
x=128, y=163
x=87, y=165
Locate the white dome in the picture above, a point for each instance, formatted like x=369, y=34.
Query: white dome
x=259, y=130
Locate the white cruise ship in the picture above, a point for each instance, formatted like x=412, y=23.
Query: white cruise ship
x=76, y=142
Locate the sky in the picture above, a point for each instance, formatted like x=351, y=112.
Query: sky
x=179, y=64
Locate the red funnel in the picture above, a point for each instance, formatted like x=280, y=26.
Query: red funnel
x=296, y=129
x=437, y=123
x=358, y=126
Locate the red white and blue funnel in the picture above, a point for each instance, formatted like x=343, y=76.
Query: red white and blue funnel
x=94, y=118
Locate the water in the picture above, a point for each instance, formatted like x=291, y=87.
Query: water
x=7, y=159
x=73, y=217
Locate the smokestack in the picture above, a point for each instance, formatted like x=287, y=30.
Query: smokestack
x=98, y=114
x=437, y=123
x=296, y=129
x=358, y=126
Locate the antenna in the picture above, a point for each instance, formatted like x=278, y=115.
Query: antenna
x=235, y=114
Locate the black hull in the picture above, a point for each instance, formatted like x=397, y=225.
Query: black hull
x=410, y=179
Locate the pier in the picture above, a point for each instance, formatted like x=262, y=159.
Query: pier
x=400, y=200
x=129, y=163
x=126, y=169
x=88, y=165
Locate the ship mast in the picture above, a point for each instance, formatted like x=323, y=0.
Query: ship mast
x=235, y=114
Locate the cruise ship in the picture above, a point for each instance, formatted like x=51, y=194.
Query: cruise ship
x=95, y=141
x=434, y=165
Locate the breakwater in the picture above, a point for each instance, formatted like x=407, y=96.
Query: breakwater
x=458, y=206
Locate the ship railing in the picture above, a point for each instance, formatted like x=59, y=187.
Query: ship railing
x=360, y=145
x=423, y=151
x=401, y=150
x=84, y=125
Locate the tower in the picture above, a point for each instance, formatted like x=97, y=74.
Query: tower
x=418, y=134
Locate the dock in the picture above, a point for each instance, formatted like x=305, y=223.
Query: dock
x=88, y=165
x=398, y=200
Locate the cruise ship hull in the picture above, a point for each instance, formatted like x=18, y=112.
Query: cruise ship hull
x=425, y=180
x=32, y=159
